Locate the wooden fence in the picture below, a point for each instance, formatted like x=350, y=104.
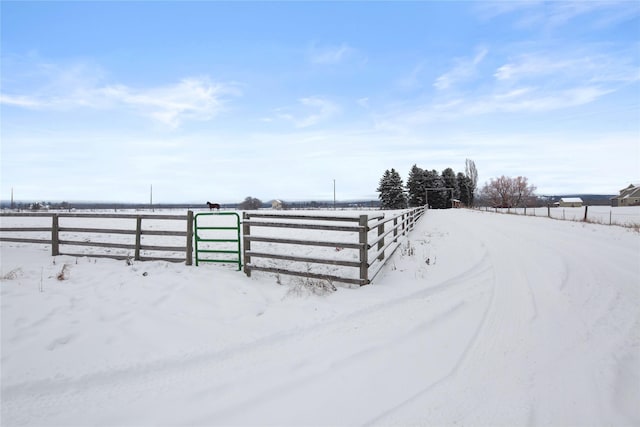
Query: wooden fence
x=55, y=231
x=370, y=239
x=368, y=265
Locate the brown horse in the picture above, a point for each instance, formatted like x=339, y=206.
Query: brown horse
x=213, y=206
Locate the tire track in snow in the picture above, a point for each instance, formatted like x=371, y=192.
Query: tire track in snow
x=510, y=287
x=154, y=381
x=546, y=369
x=149, y=378
x=172, y=364
x=484, y=268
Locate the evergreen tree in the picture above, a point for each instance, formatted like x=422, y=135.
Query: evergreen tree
x=391, y=191
x=416, y=186
x=398, y=196
x=450, y=181
x=384, y=188
x=435, y=198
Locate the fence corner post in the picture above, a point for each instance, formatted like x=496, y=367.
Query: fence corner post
x=55, y=236
x=364, y=249
x=246, y=246
x=189, y=258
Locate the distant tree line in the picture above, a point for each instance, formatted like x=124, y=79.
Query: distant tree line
x=438, y=190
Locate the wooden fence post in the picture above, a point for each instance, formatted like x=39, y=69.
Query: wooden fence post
x=246, y=247
x=585, y=212
x=55, y=238
x=395, y=229
x=138, y=238
x=381, y=242
x=189, y=258
x=402, y=221
x=364, y=249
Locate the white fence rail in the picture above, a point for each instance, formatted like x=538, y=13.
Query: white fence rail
x=627, y=216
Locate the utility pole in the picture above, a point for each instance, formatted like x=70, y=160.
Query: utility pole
x=334, y=194
x=151, y=198
x=12, y=205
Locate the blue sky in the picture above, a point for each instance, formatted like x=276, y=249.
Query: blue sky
x=223, y=100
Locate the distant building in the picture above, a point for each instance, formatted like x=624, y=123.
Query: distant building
x=276, y=204
x=570, y=202
x=629, y=196
x=455, y=203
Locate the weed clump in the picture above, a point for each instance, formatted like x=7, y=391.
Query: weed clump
x=307, y=286
x=11, y=275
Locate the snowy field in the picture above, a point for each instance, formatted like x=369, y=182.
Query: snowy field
x=628, y=216
x=513, y=320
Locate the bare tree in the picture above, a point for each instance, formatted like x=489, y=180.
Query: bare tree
x=523, y=191
x=471, y=172
x=506, y=192
x=250, y=203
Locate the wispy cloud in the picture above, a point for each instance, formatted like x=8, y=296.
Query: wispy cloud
x=74, y=87
x=583, y=66
x=195, y=98
x=363, y=102
x=521, y=100
x=327, y=55
x=20, y=101
x=310, y=111
x=464, y=69
x=533, y=82
x=413, y=79
x=549, y=15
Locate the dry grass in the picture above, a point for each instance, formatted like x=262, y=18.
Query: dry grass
x=11, y=275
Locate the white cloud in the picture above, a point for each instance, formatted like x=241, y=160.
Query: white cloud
x=189, y=99
x=464, y=70
x=519, y=100
x=577, y=66
x=329, y=54
x=413, y=79
x=363, y=102
x=555, y=14
x=74, y=87
x=311, y=111
x=19, y=101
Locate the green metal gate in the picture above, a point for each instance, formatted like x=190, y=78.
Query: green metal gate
x=199, y=239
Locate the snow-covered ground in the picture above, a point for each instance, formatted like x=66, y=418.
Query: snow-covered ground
x=478, y=319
